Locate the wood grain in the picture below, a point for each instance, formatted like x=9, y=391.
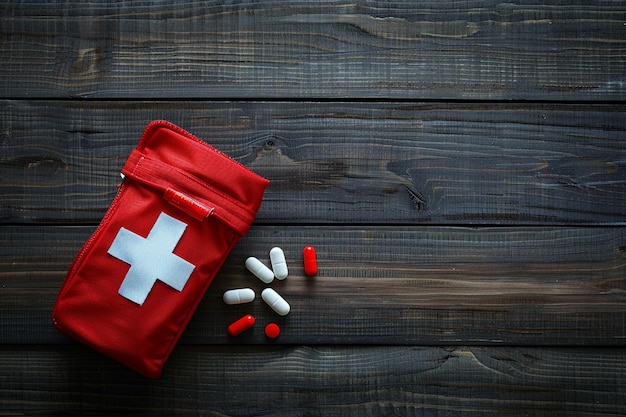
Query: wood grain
x=392, y=163
x=321, y=381
x=301, y=49
x=459, y=166
x=376, y=285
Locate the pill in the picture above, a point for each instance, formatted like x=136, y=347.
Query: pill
x=310, y=261
x=272, y=330
x=241, y=325
x=279, y=264
x=275, y=301
x=239, y=296
x=259, y=269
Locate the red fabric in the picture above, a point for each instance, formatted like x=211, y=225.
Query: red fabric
x=89, y=307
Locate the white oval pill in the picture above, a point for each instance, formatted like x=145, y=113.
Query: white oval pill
x=239, y=296
x=275, y=301
x=279, y=264
x=259, y=269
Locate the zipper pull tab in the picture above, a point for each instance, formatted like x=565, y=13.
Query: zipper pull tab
x=119, y=184
x=187, y=204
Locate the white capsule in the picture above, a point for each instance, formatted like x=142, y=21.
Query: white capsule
x=279, y=264
x=239, y=296
x=275, y=301
x=259, y=269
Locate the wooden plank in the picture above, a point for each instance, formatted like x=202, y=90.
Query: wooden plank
x=383, y=286
x=321, y=381
x=298, y=49
x=405, y=163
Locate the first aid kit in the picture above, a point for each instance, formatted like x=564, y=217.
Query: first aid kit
x=138, y=279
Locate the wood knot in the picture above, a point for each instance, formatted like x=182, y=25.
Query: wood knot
x=86, y=62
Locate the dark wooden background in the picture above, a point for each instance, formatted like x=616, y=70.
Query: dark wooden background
x=460, y=167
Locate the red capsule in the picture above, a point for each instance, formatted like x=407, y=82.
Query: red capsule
x=241, y=325
x=310, y=261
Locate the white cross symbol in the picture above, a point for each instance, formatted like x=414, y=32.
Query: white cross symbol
x=151, y=258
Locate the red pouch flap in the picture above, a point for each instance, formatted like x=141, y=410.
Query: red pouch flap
x=169, y=157
x=135, y=284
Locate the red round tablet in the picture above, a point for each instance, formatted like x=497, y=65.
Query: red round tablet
x=272, y=330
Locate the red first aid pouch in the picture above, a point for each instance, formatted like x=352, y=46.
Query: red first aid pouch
x=136, y=282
